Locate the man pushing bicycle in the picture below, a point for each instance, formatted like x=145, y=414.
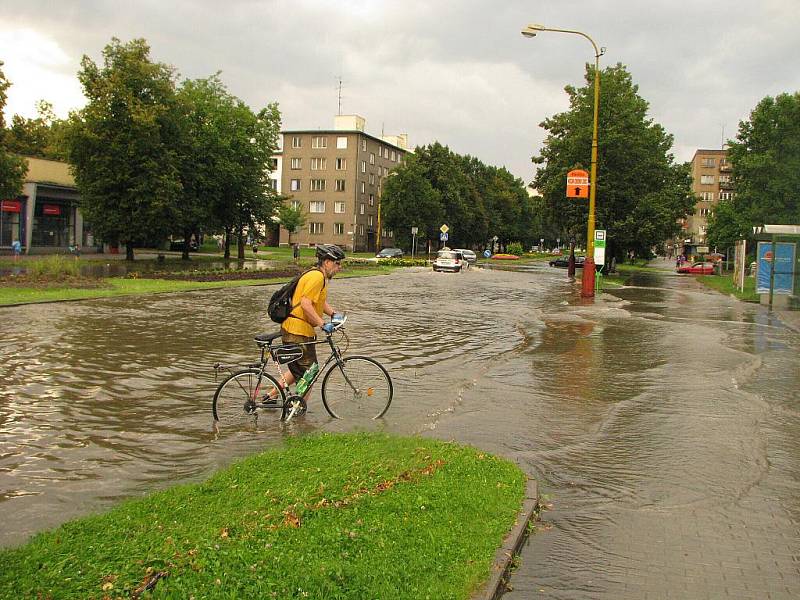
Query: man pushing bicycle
x=309, y=304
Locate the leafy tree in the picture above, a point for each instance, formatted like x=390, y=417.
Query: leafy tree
x=641, y=192
x=121, y=145
x=41, y=137
x=726, y=225
x=291, y=219
x=12, y=168
x=409, y=200
x=766, y=162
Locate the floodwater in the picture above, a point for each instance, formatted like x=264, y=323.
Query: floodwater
x=661, y=421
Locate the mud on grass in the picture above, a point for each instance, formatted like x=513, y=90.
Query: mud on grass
x=330, y=516
x=54, y=281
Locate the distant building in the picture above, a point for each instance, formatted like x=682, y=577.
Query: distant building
x=45, y=217
x=712, y=181
x=336, y=177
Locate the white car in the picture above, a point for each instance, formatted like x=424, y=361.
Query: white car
x=449, y=260
x=469, y=255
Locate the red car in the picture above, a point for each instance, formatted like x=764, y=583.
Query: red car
x=698, y=268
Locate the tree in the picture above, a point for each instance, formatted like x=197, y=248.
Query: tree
x=291, y=219
x=121, y=145
x=641, y=192
x=726, y=225
x=766, y=162
x=409, y=200
x=12, y=168
x=41, y=137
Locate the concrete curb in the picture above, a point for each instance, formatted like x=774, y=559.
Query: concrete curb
x=512, y=543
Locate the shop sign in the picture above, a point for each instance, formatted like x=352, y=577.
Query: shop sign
x=51, y=209
x=14, y=206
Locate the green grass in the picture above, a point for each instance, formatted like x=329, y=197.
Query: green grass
x=331, y=516
x=128, y=287
x=725, y=284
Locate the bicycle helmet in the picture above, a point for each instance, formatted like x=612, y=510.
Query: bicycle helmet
x=329, y=251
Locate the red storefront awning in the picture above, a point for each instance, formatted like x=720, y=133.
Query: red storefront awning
x=14, y=206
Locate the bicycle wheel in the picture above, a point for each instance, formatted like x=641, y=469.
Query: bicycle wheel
x=245, y=396
x=359, y=387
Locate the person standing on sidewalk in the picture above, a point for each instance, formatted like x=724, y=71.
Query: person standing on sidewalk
x=310, y=302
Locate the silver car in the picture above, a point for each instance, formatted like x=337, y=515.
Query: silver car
x=469, y=255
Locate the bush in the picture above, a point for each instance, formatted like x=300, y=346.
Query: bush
x=53, y=267
x=515, y=248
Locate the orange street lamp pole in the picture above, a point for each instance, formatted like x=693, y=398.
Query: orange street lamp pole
x=587, y=281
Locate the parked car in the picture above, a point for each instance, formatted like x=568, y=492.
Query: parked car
x=563, y=261
x=698, y=268
x=469, y=255
x=390, y=253
x=177, y=245
x=448, y=260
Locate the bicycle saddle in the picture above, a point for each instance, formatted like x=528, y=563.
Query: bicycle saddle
x=266, y=338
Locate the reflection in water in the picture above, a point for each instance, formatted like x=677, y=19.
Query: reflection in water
x=662, y=420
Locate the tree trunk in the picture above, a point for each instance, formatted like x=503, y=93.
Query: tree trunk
x=187, y=235
x=240, y=238
x=128, y=251
x=227, y=255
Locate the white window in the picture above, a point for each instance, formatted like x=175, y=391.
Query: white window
x=297, y=141
x=318, y=164
x=726, y=195
x=701, y=230
x=391, y=233
x=317, y=185
x=363, y=187
x=372, y=158
x=341, y=143
x=297, y=163
x=385, y=171
x=338, y=228
x=340, y=185
x=319, y=141
x=295, y=186
x=273, y=183
x=372, y=199
x=361, y=210
x=393, y=156
x=296, y=204
x=364, y=145
x=315, y=227
x=706, y=212
x=363, y=166
x=369, y=221
x=360, y=230
x=707, y=162
x=706, y=179
x=372, y=178
x=383, y=232
x=338, y=207
x=341, y=164
x=724, y=178
x=707, y=196
x=317, y=207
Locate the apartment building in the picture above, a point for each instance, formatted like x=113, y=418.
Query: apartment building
x=712, y=181
x=336, y=177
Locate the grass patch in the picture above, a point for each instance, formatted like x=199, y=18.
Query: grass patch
x=725, y=284
x=118, y=286
x=331, y=516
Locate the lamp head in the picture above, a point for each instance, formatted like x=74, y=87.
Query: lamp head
x=532, y=29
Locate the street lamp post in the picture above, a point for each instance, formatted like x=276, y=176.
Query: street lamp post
x=587, y=280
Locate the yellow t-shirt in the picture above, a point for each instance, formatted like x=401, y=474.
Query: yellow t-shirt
x=312, y=285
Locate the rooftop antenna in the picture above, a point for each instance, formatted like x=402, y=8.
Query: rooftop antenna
x=722, y=145
x=340, y=94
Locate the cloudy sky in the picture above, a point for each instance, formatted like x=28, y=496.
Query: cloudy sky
x=456, y=71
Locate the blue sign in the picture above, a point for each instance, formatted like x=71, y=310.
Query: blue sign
x=486, y=253
x=443, y=237
x=784, y=267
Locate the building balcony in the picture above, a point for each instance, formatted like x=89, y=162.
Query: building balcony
x=726, y=185
x=725, y=167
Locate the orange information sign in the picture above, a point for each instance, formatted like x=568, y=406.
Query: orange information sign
x=577, y=184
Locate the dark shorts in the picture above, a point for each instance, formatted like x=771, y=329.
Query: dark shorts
x=298, y=367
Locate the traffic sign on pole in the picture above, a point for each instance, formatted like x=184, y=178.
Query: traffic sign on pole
x=577, y=184
x=444, y=229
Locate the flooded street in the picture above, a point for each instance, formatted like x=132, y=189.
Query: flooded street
x=662, y=421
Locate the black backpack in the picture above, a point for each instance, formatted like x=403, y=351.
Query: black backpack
x=280, y=305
